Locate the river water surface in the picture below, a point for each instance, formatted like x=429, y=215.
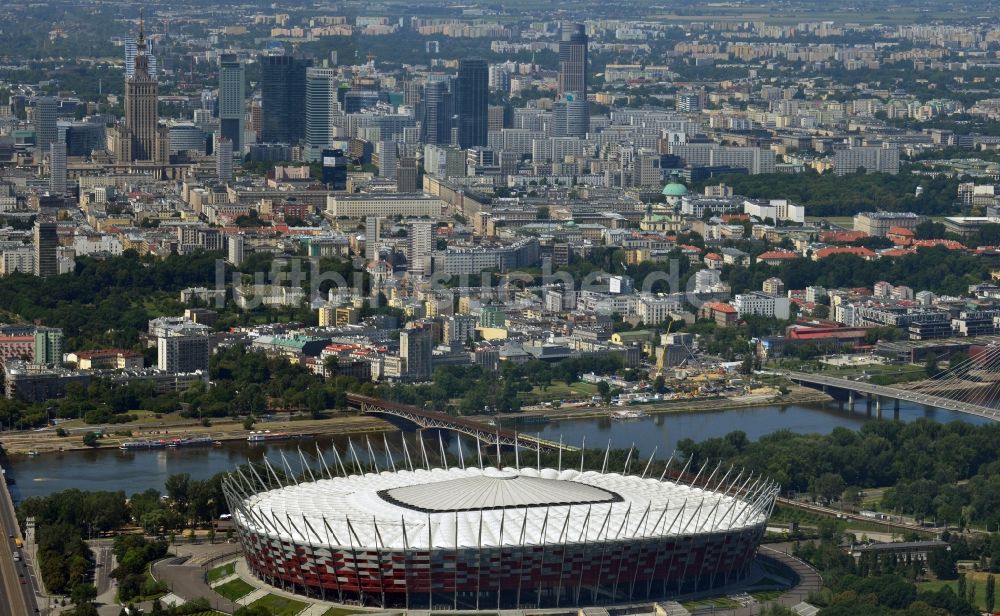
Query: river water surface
x=135, y=471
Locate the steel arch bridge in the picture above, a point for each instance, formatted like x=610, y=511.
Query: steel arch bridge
x=422, y=418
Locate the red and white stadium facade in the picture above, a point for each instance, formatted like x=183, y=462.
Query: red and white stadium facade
x=484, y=538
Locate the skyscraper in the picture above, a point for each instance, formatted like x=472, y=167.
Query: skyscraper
x=472, y=102
x=388, y=160
x=141, y=134
x=334, y=169
x=232, y=100
x=321, y=110
x=571, y=116
x=406, y=175
x=57, y=167
x=283, y=99
x=573, y=60
x=46, y=128
x=46, y=245
x=437, y=112
x=131, y=49
x=224, y=158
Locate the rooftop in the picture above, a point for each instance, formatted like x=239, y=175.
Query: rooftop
x=468, y=507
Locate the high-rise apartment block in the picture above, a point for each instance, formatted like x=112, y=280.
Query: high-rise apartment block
x=416, y=346
x=421, y=244
x=48, y=346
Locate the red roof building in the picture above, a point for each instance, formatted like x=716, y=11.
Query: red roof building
x=949, y=244
x=829, y=251
x=900, y=236
x=724, y=315
x=777, y=257
x=713, y=260
x=841, y=237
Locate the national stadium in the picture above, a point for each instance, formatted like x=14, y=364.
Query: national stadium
x=483, y=538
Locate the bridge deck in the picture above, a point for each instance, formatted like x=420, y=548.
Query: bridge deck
x=895, y=393
x=436, y=419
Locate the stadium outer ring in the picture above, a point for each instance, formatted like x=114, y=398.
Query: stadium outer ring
x=328, y=559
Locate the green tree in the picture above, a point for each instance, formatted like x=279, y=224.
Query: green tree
x=828, y=486
x=991, y=583
x=83, y=593
x=91, y=439
x=931, y=369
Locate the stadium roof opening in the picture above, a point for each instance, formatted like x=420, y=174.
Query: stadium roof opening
x=495, y=489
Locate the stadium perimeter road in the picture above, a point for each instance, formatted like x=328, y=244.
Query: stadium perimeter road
x=184, y=574
x=18, y=599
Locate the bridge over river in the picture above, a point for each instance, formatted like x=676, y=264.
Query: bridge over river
x=417, y=417
x=873, y=394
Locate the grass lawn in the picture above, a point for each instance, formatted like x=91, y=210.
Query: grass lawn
x=767, y=595
x=218, y=573
x=234, y=589
x=841, y=221
x=340, y=611
x=279, y=606
x=711, y=602
x=977, y=578
x=559, y=390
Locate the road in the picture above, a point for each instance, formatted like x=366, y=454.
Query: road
x=19, y=599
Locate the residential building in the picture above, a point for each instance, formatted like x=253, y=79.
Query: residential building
x=761, y=304
x=421, y=244
x=416, y=348
x=181, y=351
x=48, y=346
x=881, y=159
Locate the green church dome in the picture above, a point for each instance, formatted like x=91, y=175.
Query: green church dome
x=675, y=189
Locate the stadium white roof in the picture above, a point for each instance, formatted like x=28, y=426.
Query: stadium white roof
x=473, y=507
x=494, y=489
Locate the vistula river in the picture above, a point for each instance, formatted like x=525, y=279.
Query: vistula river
x=135, y=471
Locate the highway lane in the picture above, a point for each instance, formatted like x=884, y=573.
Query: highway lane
x=18, y=598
